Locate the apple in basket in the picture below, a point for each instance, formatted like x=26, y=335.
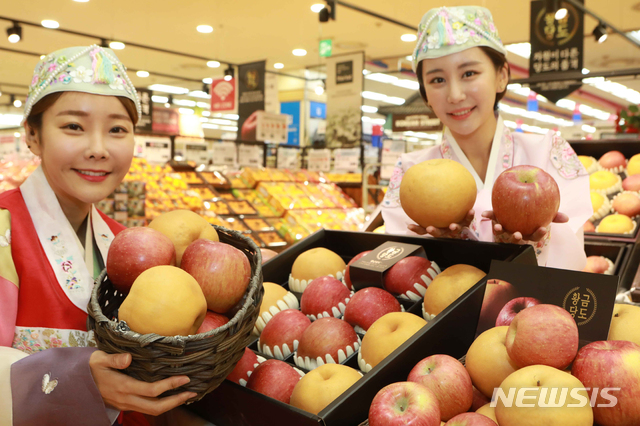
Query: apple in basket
x=135, y=250
x=222, y=271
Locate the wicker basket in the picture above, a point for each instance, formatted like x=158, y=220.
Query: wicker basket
x=206, y=358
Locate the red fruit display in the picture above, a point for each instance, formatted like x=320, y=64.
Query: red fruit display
x=275, y=379
x=347, y=277
x=410, y=277
x=513, y=308
x=627, y=203
x=611, y=364
x=631, y=183
x=525, y=198
x=447, y=378
x=135, y=250
x=327, y=340
x=543, y=335
x=404, y=403
x=598, y=265
x=244, y=367
x=470, y=419
x=222, y=271
x=613, y=160
x=367, y=305
x=281, y=336
x=324, y=297
x=212, y=320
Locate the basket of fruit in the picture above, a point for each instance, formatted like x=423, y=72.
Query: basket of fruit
x=191, y=319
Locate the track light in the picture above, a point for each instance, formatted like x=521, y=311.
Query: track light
x=600, y=32
x=205, y=88
x=320, y=88
x=228, y=73
x=14, y=34
x=169, y=102
x=329, y=12
x=16, y=102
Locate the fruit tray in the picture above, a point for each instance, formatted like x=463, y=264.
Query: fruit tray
x=618, y=253
x=229, y=403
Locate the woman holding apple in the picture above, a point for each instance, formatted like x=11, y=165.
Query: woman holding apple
x=79, y=120
x=463, y=73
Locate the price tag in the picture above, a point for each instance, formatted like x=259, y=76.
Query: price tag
x=251, y=155
x=346, y=160
x=157, y=150
x=288, y=158
x=225, y=154
x=319, y=160
x=197, y=152
x=391, y=152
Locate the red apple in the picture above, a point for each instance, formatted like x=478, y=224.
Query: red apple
x=479, y=400
x=404, y=403
x=275, y=379
x=513, y=307
x=327, y=340
x=612, y=159
x=410, y=277
x=525, y=198
x=589, y=226
x=598, y=265
x=449, y=381
x=281, y=336
x=212, y=320
x=627, y=203
x=497, y=294
x=133, y=251
x=324, y=297
x=267, y=254
x=470, y=419
x=367, y=305
x=543, y=335
x=631, y=183
x=244, y=367
x=611, y=364
x=222, y=271
x=347, y=277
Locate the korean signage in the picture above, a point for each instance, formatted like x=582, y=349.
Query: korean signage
x=223, y=95
x=251, y=98
x=145, y=122
x=345, y=84
x=166, y=120
x=557, y=46
x=415, y=122
x=292, y=110
x=325, y=48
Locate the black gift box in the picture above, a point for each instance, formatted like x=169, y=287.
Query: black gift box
x=451, y=332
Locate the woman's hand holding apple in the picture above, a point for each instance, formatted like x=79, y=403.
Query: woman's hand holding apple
x=453, y=231
x=502, y=235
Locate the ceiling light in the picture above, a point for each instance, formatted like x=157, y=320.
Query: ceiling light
x=383, y=98
x=409, y=58
x=48, y=23
x=299, y=52
x=143, y=74
x=319, y=90
x=585, y=71
x=315, y=8
x=159, y=99
x=369, y=109
x=168, y=89
x=81, y=1
x=408, y=37
x=205, y=29
x=14, y=34
x=17, y=103
x=228, y=73
x=600, y=32
x=520, y=49
x=213, y=64
x=207, y=80
x=116, y=45
x=17, y=134
x=42, y=57
x=200, y=94
x=561, y=13
x=187, y=111
x=278, y=65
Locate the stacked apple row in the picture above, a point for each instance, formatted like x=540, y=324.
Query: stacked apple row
x=529, y=372
x=176, y=275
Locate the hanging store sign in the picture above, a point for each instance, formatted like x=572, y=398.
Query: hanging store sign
x=223, y=95
x=166, y=120
x=345, y=84
x=415, y=123
x=145, y=121
x=251, y=98
x=557, y=47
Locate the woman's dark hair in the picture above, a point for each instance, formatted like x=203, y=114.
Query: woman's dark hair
x=499, y=61
x=35, y=116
